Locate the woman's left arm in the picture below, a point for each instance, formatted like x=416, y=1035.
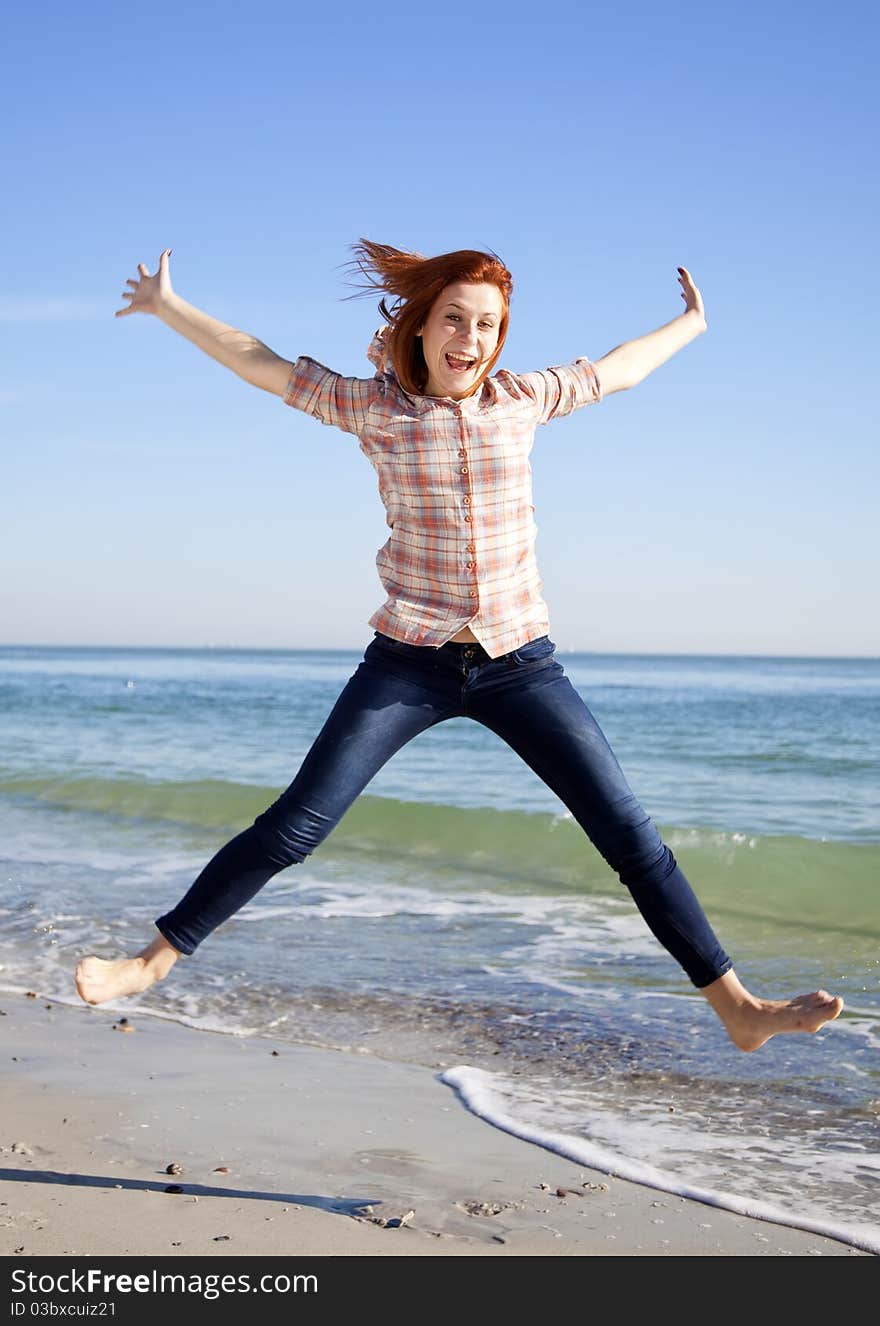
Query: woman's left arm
x=630, y=363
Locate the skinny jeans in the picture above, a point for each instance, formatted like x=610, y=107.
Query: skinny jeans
x=525, y=697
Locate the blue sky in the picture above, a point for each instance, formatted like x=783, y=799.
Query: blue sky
x=726, y=505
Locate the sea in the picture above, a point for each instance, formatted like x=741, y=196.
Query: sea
x=459, y=918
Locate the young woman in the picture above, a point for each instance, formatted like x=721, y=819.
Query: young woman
x=463, y=631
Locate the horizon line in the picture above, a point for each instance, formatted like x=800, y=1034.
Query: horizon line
x=353, y=649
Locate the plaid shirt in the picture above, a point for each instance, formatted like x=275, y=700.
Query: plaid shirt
x=456, y=482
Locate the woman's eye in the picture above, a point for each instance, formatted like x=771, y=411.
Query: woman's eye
x=455, y=317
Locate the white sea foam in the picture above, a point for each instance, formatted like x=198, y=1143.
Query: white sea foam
x=580, y=930
x=130, y=1007
x=489, y=1097
x=360, y=901
x=724, y=844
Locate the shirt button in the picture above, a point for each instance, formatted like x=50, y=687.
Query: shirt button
x=472, y=547
x=463, y=470
x=463, y=455
x=468, y=518
x=471, y=565
x=466, y=500
x=473, y=593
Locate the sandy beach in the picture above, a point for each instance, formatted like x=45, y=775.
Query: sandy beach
x=288, y=1150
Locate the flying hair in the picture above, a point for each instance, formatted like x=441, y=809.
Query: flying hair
x=414, y=283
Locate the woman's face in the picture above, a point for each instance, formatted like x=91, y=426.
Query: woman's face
x=460, y=336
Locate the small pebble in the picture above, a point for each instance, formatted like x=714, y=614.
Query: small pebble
x=222, y=1238
x=174, y=1187
x=498, y=1238
x=276, y=1054
x=123, y=1026
x=173, y=1168
x=484, y=1208
x=31, y=994
x=221, y=1169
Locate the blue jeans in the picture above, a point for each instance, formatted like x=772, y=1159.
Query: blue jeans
x=399, y=690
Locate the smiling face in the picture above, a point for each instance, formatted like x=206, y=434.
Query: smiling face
x=460, y=336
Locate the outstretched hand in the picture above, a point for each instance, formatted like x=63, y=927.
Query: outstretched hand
x=149, y=291
x=693, y=300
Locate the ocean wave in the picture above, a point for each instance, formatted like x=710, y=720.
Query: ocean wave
x=775, y=880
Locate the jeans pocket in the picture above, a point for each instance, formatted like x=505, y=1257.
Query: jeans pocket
x=534, y=651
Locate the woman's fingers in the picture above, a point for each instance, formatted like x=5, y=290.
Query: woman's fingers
x=688, y=289
x=690, y=294
x=134, y=295
x=144, y=270
x=148, y=289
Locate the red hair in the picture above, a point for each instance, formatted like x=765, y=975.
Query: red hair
x=416, y=282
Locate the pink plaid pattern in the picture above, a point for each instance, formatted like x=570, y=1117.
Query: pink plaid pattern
x=456, y=483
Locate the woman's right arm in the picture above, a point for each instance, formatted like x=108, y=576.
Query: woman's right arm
x=243, y=353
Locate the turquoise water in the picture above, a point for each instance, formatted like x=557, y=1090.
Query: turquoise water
x=458, y=915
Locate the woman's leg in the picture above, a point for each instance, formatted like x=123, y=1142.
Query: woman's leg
x=544, y=719
x=377, y=713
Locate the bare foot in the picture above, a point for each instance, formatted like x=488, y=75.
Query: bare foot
x=750, y=1022
x=98, y=980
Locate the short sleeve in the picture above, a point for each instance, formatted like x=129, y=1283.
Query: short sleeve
x=329, y=397
x=557, y=391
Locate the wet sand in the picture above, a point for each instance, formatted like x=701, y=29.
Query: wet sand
x=289, y=1150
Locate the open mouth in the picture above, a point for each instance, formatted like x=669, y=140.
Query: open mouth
x=459, y=364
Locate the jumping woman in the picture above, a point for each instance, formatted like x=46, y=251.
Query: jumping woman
x=464, y=630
